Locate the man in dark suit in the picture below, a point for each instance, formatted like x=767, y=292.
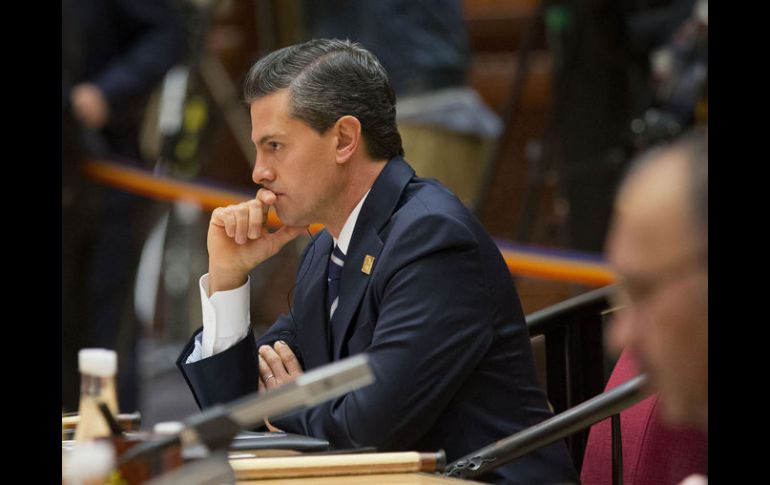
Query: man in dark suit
x=114, y=53
x=402, y=271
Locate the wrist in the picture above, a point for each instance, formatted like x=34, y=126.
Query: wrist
x=224, y=280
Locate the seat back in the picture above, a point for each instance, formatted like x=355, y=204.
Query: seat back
x=653, y=452
x=574, y=354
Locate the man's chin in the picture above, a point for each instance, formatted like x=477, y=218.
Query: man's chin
x=678, y=407
x=289, y=220
x=283, y=216
x=677, y=413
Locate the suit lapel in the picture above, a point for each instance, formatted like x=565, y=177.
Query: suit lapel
x=311, y=311
x=353, y=283
x=375, y=213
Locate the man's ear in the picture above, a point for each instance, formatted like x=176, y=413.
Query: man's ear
x=348, y=130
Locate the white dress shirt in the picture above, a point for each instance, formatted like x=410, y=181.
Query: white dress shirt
x=226, y=314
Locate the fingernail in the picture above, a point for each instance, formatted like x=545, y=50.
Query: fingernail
x=282, y=343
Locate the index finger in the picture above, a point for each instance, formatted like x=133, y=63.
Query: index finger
x=274, y=362
x=287, y=356
x=267, y=198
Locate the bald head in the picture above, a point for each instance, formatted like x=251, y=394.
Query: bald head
x=654, y=215
x=658, y=244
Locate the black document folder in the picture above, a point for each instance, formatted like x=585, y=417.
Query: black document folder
x=256, y=440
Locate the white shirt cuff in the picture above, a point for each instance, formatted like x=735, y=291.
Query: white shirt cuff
x=226, y=317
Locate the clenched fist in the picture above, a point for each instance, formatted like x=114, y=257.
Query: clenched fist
x=238, y=240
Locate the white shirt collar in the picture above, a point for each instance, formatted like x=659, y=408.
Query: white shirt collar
x=347, y=230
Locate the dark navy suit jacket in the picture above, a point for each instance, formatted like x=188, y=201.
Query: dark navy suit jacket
x=440, y=320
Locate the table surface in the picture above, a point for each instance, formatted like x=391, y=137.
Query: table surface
x=378, y=479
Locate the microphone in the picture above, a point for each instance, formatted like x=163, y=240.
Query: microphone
x=216, y=427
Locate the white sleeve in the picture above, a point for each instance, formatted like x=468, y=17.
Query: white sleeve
x=225, y=320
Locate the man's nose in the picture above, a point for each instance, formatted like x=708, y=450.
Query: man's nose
x=262, y=173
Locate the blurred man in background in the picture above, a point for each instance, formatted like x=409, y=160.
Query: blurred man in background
x=114, y=53
x=658, y=244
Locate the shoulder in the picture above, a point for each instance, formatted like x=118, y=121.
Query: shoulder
x=427, y=203
x=429, y=217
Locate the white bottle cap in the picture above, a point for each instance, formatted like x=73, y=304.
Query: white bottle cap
x=98, y=362
x=88, y=461
x=168, y=427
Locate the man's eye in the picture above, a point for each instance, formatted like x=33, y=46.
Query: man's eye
x=639, y=290
x=274, y=145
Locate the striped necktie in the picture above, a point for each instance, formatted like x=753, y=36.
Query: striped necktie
x=336, y=262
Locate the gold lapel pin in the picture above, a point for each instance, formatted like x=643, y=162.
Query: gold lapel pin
x=368, y=263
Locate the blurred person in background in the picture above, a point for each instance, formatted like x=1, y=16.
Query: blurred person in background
x=114, y=53
x=658, y=244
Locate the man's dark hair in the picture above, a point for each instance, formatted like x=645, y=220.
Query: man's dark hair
x=328, y=79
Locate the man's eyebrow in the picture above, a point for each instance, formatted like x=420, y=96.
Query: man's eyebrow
x=268, y=137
